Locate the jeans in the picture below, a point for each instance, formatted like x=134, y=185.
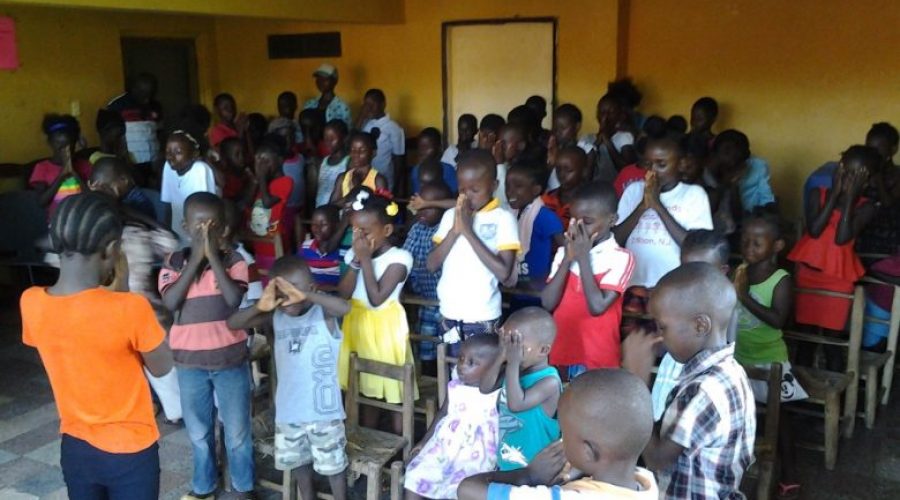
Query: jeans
x=94, y=474
x=232, y=392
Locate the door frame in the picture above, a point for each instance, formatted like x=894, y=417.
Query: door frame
x=445, y=35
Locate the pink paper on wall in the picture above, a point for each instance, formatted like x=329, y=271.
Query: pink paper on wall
x=9, y=53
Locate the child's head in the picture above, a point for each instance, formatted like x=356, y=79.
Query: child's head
x=429, y=144
x=362, y=148
x=610, y=113
x=110, y=175
x=434, y=191
x=696, y=149
x=270, y=156
x=703, y=114
x=538, y=106
x=232, y=153
x=257, y=126
x=287, y=104
x=295, y=271
x=430, y=171
x=324, y=222
x=883, y=137
x=730, y=151
x=524, y=183
x=566, y=124
x=335, y=135
x=664, y=156
x=594, y=205
x=88, y=225
x=525, y=118
x=513, y=141
x=704, y=245
x=312, y=123
x=466, y=128
x=226, y=107
x=111, y=129
x=182, y=150
x=489, y=130
x=571, y=167
x=615, y=397
x=373, y=216
x=761, y=239
x=287, y=129
x=206, y=208
x=538, y=331
x=476, y=356
x=62, y=133
x=677, y=124
x=476, y=175
x=692, y=306
x=376, y=101
x=859, y=157
x=143, y=88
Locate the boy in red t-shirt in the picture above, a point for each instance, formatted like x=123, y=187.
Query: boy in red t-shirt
x=587, y=308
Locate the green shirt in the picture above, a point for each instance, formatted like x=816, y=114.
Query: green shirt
x=757, y=341
x=523, y=434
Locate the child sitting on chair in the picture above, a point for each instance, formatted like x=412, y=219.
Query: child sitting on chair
x=529, y=387
x=606, y=454
x=309, y=413
x=463, y=440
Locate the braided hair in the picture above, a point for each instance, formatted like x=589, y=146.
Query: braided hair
x=84, y=223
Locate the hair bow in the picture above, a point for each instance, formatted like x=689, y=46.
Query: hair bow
x=360, y=198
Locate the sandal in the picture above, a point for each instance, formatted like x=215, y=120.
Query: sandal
x=788, y=491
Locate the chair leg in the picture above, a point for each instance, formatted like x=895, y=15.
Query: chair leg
x=397, y=480
x=766, y=480
x=832, y=428
x=288, y=486
x=373, y=482
x=850, y=403
x=871, y=396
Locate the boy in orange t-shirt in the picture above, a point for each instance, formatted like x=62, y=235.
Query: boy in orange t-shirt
x=94, y=343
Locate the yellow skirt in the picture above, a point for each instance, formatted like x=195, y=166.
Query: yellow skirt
x=380, y=335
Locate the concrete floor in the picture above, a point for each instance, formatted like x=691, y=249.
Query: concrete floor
x=868, y=465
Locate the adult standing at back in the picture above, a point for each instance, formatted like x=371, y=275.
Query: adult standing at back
x=391, y=145
x=142, y=114
x=335, y=108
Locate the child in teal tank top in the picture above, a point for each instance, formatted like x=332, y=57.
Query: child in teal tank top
x=765, y=296
x=529, y=387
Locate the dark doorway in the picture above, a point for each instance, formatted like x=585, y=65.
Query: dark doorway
x=173, y=61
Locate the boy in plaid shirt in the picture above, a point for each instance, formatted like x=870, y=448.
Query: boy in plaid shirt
x=704, y=442
x=419, y=243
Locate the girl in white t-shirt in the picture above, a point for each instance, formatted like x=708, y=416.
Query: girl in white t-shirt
x=376, y=327
x=655, y=216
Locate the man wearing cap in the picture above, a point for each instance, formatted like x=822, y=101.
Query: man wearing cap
x=326, y=78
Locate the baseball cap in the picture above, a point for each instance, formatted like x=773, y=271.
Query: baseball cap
x=326, y=70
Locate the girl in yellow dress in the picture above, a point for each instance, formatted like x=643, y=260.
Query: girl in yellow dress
x=376, y=326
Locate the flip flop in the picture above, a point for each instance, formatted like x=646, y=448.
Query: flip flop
x=788, y=491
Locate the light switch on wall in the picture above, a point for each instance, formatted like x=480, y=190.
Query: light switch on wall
x=75, y=108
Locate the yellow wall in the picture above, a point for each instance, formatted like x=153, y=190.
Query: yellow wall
x=375, y=11
x=803, y=79
x=405, y=60
x=75, y=55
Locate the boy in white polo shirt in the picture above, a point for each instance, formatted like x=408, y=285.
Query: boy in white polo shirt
x=391, y=145
x=476, y=243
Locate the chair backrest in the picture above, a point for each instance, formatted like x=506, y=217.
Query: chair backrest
x=772, y=377
x=444, y=368
x=853, y=342
x=402, y=373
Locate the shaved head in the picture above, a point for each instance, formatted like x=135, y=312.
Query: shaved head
x=618, y=399
x=534, y=323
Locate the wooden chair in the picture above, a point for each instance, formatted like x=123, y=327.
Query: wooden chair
x=873, y=362
x=426, y=405
x=370, y=450
x=445, y=364
x=827, y=387
x=765, y=469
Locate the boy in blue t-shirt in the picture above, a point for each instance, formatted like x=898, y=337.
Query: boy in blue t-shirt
x=540, y=231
